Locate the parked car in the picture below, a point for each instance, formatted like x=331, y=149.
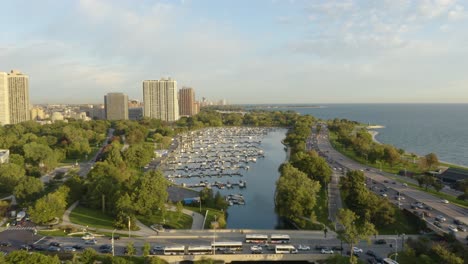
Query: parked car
x=326, y=251
x=380, y=242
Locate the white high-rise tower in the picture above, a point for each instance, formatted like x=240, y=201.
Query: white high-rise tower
x=4, y=100
x=160, y=99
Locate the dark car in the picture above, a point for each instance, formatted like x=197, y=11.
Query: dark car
x=354, y=253
x=5, y=244
x=115, y=238
x=337, y=248
x=106, y=250
x=40, y=248
x=78, y=247
x=371, y=253
x=26, y=247
x=229, y=251
x=380, y=242
x=438, y=224
x=55, y=244
x=105, y=247
x=319, y=247
x=457, y=222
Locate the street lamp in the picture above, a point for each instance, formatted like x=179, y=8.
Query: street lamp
x=128, y=217
x=113, y=242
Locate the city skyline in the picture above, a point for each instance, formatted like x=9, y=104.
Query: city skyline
x=247, y=52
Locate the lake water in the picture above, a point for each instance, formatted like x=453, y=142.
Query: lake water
x=417, y=128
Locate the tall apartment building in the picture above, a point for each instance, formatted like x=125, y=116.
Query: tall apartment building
x=4, y=100
x=187, y=102
x=18, y=89
x=160, y=99
x=116, y=106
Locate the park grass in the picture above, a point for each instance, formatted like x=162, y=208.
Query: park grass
x=321, y=208
x=171, y=219
x=405, y=223
x=93, y=152
x=91, y=218
x=211, y=214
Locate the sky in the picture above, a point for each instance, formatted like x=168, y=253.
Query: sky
x=244, y=51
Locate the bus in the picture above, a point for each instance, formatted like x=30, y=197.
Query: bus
x=285, y=249
x=199, y=250
x=258, y=239
x=389, y=261
x=280, y=239
x=174, y=250
x=236, y=246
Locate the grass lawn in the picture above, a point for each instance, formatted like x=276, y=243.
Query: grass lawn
x=405, y=223
x=171, y=219
x=211, y=214
x=83, y=158
x=91, y=217
x=321, y=208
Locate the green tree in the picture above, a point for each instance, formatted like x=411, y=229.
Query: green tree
x=146, y=249
x=28, y=189
x=353, y=230
x=295, y=195
x=391, y=155
x=150, y=192
x=50, y=206
x=179, y=210
x=88, y=256
x=10, y=175
x=23, y=257
x=445, y=256
x=431, y=160
x=130, y=249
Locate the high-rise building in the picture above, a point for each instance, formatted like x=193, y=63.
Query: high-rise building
x=116, y=105
x=187, y=102
x=160, y=99
x=4, y=100
x=18, y=88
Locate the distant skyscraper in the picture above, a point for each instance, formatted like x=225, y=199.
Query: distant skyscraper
x=187, y=101
x=4, y=100
x=116, y=105
x=160, y=99
x=18, y=88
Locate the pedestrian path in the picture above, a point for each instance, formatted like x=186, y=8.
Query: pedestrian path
x=20, y=228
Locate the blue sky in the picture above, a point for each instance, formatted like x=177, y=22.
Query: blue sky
x=246, y=51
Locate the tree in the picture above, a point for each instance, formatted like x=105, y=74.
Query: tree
x=295, y=195
x=28, y=189
x=446, y=256
x=353, y=230
x=150, y=192
x=10, y=175
x=431, y=160
x=179, y=210
x=130, y=250
x=21, y=256
x=50, y=206
x=391, y=155
x=146, y=249
x=88, y=256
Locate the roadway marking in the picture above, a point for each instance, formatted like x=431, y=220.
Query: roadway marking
x=39, y=240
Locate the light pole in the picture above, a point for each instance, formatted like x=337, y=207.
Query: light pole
x=214, y=235
x=113, y=242
x=396, y=248
x=128, y=217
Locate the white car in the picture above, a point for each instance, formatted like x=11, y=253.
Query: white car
x=444, y=201
x=326, y=251
x=256, y=248
x=440, y=218
x=69, y=249
x=357, y=250
x=87, y=237
x=452, y=228
x=91, y=242
x=303, y=247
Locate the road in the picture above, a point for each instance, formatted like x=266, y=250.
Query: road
x=450, y=211
x=186, y=238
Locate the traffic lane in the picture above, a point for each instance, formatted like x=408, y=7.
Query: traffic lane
x=17, y=238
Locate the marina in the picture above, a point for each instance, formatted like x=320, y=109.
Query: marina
x=239, y=162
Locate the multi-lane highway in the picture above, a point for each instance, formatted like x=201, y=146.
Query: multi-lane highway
x=449, y=211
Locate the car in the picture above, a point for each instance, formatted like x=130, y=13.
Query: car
x=393, y=182
x=69, y=249
x=78, y=247
x=420, y=205
x=5, y=244
x=371, y=253
x=380, y=242
x=337, y=248
x=158, y=248
x=457, y=222
x=461, y=228
x=55, y=244
x=91, y=242
x=357, y=250
x=26, y=247
x=256, y=247
x=452, y=228
x=441, y=218
x=40, y=248
x=115, y=238
x=229, y=251
x=384, y=195
x=326, y=251
x=426, y=214
x=386, y=181
x=404, y=184
x=303, y=247
x=444, y=201
x=105, y=250
x=354, y=253
x=105, y=246
x=53, y=249
x=87, y=237
x=438, y=224
x=319, y=247
x=397, y=203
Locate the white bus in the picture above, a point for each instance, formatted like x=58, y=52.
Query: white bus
x=280, y=239
x=389, y=261
x=174, y=250
x=259, y=239
x=199, y=250
x=285, y=249
x=237, y=246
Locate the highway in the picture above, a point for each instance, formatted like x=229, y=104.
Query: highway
x=450, y=211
